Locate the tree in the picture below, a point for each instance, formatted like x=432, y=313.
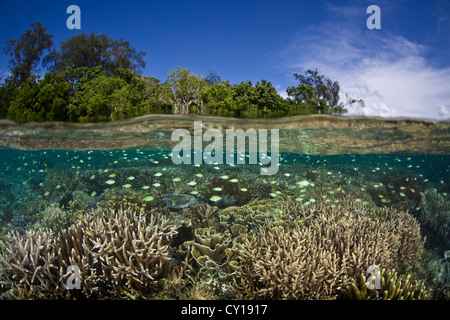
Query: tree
x=8, y=93
x=100, y=97
x=212, y=78
x=26, y=52
x=218, y=98
x=266, y=97
x=45, y=99
x=95, y=50
x=184, y=89
x=244, y=95
x=315, y=90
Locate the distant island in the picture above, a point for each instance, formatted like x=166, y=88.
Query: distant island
x=93, y=78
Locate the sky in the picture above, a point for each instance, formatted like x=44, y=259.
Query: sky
x=399, y=70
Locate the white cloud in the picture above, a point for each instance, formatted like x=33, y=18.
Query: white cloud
x=389, y=72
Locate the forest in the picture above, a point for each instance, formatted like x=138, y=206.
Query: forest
x=93, y=78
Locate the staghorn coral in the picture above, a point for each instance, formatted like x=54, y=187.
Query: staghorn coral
x=30, y=262
x=130, y=252
x=391, y=287
x=311, y=259
x=119, y=253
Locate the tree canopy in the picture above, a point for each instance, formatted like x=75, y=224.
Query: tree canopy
x=95, y=78
x=95, y=50
x=26, y=52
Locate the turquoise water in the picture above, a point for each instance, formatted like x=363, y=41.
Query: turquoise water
x=403, y=165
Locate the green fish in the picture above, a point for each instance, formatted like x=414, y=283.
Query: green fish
x=148, y=198
x=303, y=183
x=126, y=185
x=215, y=198
x=110, y=182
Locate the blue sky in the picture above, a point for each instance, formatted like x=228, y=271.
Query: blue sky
x=403, y=69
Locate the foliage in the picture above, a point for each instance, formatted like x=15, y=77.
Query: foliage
x=184, y=89
x=26, y=52
x=99, y=96
x=316, y=91
x=95, y=50
x=95, y=78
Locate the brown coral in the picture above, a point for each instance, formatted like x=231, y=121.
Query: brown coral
x=117, y=252
x=391, y=287
x=30, y=262
x=316, y=257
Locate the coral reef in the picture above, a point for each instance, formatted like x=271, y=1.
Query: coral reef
x=435, y=220
x=391, y=287
x=230, y=192
x=120, y=253
x=55, y=219
x=30, y=265
x=315, y=257
x=441, y=277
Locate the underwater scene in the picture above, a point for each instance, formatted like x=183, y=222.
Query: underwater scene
x=353, y=208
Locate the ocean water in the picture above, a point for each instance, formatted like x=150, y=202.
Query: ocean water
x=54, y=174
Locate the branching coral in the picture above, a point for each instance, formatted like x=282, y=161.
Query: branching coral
x=117, y=252
x=389, y=286
x=132, y=252
x=30, y=262
x=312, y=260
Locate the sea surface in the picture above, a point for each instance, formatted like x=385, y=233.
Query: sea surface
x=396, y=164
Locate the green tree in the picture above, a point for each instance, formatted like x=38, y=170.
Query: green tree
x=154, y=94
x=244, y=95
x=41, y=100
x=212, y=78
x=219, y=100
x=184, y=89
x=95, y=50
x=24, y=107
x=266, y=97
x=7, y=94
x=315, y=90
x=26, y=52
x=100, y=97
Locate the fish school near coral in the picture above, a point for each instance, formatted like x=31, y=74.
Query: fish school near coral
x=213, y=153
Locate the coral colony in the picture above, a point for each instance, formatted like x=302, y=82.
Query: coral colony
x=213, y=153
x=132, y=224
